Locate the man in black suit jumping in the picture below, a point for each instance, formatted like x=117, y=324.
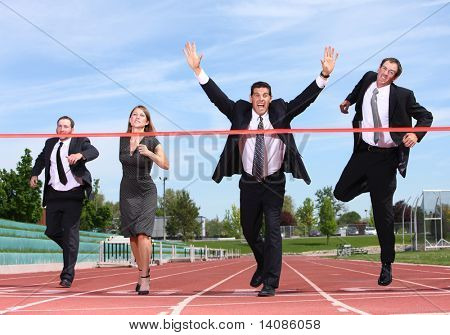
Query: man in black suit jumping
x=261, y=160
x=377, y=155
x=67, y=182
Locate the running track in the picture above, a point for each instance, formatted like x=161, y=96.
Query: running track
x=309, y=285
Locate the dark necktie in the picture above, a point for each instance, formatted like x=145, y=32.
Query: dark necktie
x=376, y=116
x=258, y=158
x=59, y=165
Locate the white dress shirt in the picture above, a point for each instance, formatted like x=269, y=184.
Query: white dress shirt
x=383, y=111
x=72, y=181
x=274, y=148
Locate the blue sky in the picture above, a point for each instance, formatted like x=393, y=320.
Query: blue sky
x=139, y=45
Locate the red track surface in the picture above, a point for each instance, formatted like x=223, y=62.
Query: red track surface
x=309, y=285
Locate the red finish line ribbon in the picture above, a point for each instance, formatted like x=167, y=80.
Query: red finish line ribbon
x=237, y=132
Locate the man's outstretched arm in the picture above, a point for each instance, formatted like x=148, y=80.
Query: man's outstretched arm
x=215, y=94
x=304, y=99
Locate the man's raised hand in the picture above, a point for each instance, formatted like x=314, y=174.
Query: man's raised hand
x=192, y=58
x=329, y=60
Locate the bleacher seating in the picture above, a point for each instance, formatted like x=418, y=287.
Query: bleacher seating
x=25, y=243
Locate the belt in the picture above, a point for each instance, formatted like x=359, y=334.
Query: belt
x=363, y=146
x=276, y=176
x=75, y=189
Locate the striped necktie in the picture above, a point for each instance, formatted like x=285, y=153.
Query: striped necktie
x=376, y=116
x=258, y=158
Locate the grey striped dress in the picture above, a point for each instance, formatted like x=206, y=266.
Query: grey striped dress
x=138, y=195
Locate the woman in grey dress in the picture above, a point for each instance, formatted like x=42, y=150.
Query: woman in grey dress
x=138, y=191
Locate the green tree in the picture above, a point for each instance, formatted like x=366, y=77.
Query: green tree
x=114, y=208
x=214, y=228
x=18, y=201
x=94, y=213
x=288, y=205
x=305, y=216
x=232, y=222
x=170, y=198
x=349, y=218
x=325, y=192
x=327, y=220
x=183, y=214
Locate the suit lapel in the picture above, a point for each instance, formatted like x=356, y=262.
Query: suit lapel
x=247, y=116
x=51, y=144
x=364, y=88
x=392, y=101
x=72, y=145
x=274, y=119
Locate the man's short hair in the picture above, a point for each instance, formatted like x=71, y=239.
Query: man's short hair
x=260, y=84
x=396, y=61
x=65, y=117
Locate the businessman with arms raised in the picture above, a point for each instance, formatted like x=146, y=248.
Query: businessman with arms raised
x=261, y=159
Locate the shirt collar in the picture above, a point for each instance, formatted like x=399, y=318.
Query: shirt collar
x=66, y=142
x=256, y=116
x=383, y=90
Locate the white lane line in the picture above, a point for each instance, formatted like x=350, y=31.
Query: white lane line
x=376, y=275
x=181, y=305
x=16, y=308
x=326, y=295
x=153, y=294
x=404, y=266
x=221, y=304
x=79, y=278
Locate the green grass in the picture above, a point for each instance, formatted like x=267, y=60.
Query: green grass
x=438, y=257
x=233, y=244
x=303, y=244
x=38, y=251
x=298, y=245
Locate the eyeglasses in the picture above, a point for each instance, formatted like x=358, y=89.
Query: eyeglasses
x=390, y=72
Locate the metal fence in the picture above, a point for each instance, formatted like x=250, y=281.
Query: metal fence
x=431, y=220
x=116, y=251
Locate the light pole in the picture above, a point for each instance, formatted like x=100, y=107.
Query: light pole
x=164, y=206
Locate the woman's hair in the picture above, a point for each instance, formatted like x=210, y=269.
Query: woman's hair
x=149, y=127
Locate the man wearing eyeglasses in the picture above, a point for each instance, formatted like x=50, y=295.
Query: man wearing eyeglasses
x=377, y=155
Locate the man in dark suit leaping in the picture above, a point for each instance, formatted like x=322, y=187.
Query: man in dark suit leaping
x=377, y=155
x=261, y=160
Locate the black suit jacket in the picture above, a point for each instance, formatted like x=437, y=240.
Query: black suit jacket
x=402, y=108
x=281, y=114
x=77, y=145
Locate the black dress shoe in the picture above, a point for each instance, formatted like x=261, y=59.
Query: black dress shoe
x=256, y=279
x=267, y=291
x=385, y=275
x=65, y=283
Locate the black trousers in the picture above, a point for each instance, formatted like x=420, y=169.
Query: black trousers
x=258, y=199
x=375, y=172
x=63, y=225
